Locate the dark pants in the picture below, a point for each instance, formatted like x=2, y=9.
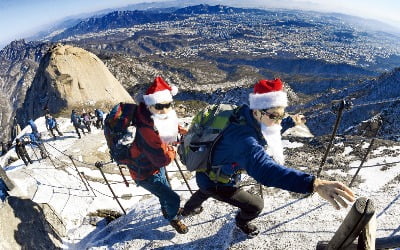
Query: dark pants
x=3, y=190
x=42, y=149
x=250, y=205
x=99, y=123
x=26, y=159
x=87, y=125
x=158, y=185
x=79, y=126
x=58, y=131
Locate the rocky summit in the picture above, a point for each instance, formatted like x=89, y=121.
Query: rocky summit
x=70, y=77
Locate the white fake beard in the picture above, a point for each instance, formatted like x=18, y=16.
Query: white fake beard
x=167, y=126
x=272, y=134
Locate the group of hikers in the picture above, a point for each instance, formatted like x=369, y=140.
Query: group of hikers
x=34, y=138
x=251, y=144
x=85, y=121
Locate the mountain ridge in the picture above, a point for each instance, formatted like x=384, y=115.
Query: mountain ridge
x=206, y=53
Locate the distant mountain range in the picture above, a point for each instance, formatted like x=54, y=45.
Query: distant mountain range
x=216, y=49
x=125, y=19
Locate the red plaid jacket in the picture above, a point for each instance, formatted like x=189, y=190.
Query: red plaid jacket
x=148, y=152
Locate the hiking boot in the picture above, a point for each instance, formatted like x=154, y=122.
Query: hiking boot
x=195, y=211
x=250, y=229
x=179, y=226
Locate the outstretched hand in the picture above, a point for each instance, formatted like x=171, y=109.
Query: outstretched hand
x=299, y=119
x=182, y=130
x=334, y=192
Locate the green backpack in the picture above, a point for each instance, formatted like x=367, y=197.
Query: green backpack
x=196, y=148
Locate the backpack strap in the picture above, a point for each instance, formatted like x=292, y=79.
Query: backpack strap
x=214, y=172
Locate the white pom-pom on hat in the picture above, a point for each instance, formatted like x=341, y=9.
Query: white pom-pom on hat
x=174, y=90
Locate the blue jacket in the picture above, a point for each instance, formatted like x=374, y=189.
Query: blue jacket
x=242, y=148
x=33, y=138
x=33, y=126
x=99, y=114
x=75, y=119
x=50, y=123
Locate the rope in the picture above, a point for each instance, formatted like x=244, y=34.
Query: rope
x=85, y=163
x=318, y=114
x=379, y=164
x=250, y=184
x=371, y=166
x=378, y=102
x=54, y=148
x=106, y=163
x=322, y=112
x=363, y=138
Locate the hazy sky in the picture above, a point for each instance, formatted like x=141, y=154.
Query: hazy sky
x=22, y=18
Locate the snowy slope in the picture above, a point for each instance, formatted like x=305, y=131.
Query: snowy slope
x=287, y=222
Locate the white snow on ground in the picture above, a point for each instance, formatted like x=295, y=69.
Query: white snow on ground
x=285, y=223
x=347, y=150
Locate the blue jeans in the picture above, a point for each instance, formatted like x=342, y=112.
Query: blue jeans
x=158, y=185
x=3, y=190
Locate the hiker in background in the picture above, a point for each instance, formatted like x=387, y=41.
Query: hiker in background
x=76, y=121
x=34, y=128
x=16, y=129
x=4, y=148
x=86, y=120
x=3, y=190
x=92, y=118
x=21, y=151
x=255, y=127
x=46, y=108
x=9, y=145
x=156, y=130
x=38, y=142
x=51, y=124
x=100, y=118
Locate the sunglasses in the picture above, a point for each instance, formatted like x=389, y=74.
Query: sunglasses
x=273, y=116
x=161, y=106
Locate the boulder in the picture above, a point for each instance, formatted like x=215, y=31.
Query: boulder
x=29, y=225
x=69, y=77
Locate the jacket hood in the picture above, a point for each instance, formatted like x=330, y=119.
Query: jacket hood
x=247, y=113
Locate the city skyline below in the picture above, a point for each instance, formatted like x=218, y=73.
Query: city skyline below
x=23, y=18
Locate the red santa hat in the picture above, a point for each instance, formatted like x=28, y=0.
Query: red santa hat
x=159, y=92
x=268, y=94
